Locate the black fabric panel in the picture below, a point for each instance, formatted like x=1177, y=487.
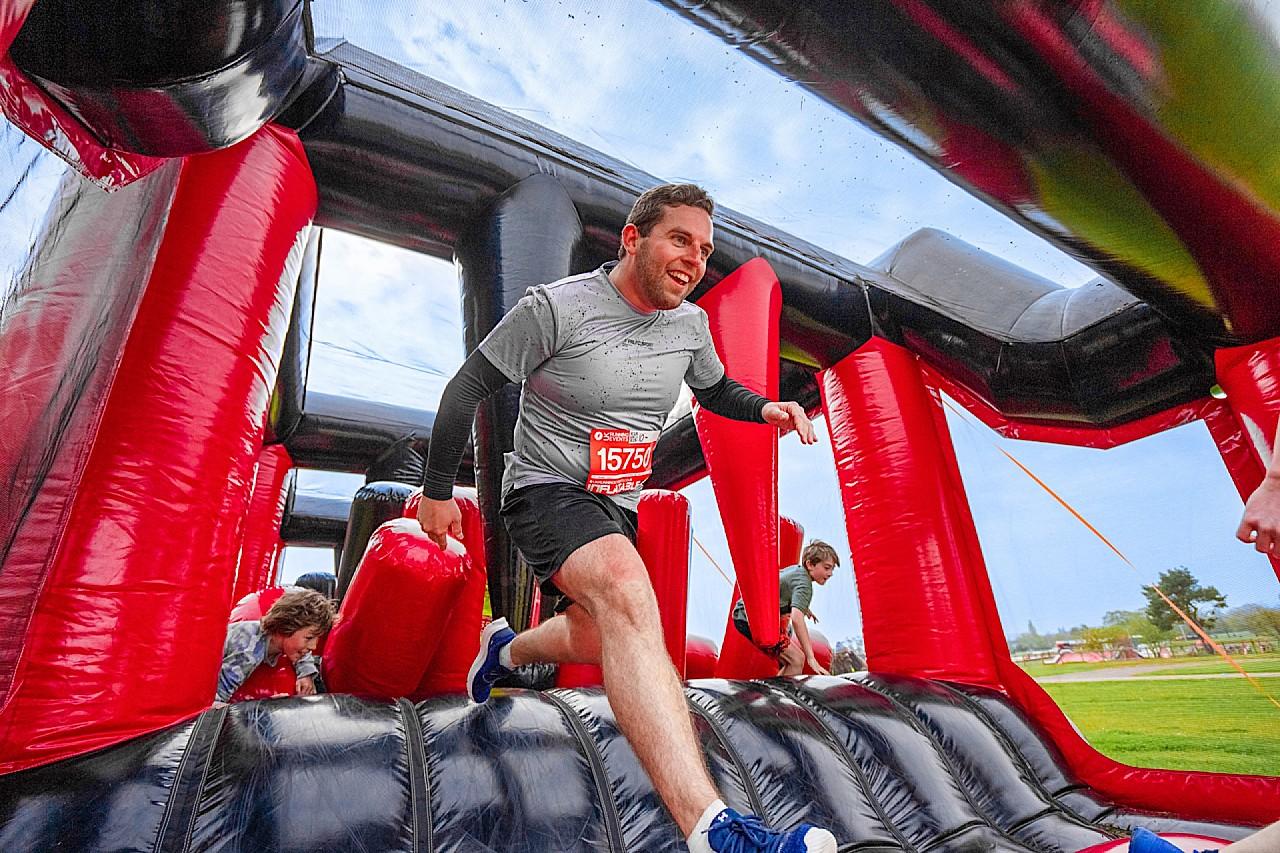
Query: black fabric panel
x=510, y=775
x=308, y=775
x=644, y=823
x=798, y=770
x=111, y=800
x=905, y=772
x=888, y=763
x=997, y=781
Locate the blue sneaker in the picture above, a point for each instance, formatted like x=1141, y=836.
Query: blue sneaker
x=1146, y=841
x=485, y=669
x=731, y=832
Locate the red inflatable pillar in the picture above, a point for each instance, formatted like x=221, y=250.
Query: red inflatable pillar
x=145, y=561
x=926, y=601
x=260, y=551
x=1251, y=377
x=741, y=658
x=742, y=458
x=663, y=537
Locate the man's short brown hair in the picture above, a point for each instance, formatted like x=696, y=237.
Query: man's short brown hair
x=297, y=609
x=818, y=551
x=648, y=209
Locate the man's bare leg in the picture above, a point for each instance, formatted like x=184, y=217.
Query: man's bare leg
x=1265, y=840
x=609, y=582
x=569, y=637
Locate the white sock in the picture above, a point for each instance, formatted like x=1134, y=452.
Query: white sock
x=697, y=840
x=504, y=657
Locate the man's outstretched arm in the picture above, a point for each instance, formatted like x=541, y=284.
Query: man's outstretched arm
x=733, y=400
x=475, y=380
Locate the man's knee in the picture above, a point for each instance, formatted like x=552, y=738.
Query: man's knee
x=608, y=578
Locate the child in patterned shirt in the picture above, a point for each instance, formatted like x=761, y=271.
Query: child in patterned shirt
x=291, y=627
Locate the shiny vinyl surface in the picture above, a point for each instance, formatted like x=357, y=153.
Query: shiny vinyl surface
x=889, y=763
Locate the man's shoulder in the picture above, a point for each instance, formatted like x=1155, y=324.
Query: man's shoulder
x=571, y=284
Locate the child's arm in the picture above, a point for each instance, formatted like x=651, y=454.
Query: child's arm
x=305, y=670
x=806, y=645
x=239, y=658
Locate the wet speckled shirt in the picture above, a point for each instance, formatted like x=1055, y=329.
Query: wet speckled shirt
x=589, y=360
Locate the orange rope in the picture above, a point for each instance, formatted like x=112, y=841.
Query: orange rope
x=1213, y=644
x=707, y=554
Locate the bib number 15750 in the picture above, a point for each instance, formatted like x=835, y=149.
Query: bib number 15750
x=621, y=460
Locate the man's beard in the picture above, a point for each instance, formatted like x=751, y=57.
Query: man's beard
x=654, y=282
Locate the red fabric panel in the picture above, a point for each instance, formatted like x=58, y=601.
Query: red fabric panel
x=1075, y=435
x=663, y=540
x=910, y=533
x=700, y=655
x=447, y=672
x=1189, y=794
x=254, y=605
x=394, y=616
x=150, y=542
x=579, y=675
x=44, y=120
x=739, y=657
x=742, y=458
x=790, y=542
x=261, y=546
x=1251, y=377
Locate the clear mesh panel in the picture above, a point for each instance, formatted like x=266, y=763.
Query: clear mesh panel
x=1140, y=684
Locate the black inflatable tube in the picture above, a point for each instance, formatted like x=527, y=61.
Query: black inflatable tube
x=166, y=79
x=402, y=158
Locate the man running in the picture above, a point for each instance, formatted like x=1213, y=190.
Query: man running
x=602, y=356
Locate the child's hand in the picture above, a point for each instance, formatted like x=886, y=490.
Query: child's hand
x=812, y=618
x=817, y=667
x=307, y=685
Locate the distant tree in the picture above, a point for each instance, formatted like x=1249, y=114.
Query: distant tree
x=1201, y=603
x=1135, y=624
x=845, y=659
x=1253, y=619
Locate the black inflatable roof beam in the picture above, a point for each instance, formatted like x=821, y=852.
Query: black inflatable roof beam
x=316, y=520
x=1092, y=354
x=889, y=763
x=166, y=79
x=405, y=159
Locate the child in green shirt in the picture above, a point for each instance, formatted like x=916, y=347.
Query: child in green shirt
x=795, y=592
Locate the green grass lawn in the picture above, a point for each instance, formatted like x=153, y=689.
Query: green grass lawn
x=1201, y=665
x=1223, y=725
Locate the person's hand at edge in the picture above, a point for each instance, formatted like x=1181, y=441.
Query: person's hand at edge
x=306, y=685
x=1260, y=525
x=440, y=519
x=788, y=416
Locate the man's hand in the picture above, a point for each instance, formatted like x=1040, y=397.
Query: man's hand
x=306, y=685
x=1261, y=523
x=817, y=667
x=788, y=416
x=440, y=519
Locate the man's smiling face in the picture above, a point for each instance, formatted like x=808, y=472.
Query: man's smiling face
x=671, y=259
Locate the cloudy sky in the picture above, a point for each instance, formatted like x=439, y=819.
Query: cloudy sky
x=642, y=85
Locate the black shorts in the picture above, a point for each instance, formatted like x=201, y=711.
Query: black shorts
x=550, y=521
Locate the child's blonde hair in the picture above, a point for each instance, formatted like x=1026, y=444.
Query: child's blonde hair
x=298, y=609
x=817, y=551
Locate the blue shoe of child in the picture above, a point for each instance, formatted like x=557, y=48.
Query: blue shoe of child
x=1146, y=841
x=731, y=832
x=485, y=669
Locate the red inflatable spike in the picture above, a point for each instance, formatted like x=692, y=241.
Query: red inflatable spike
x=700, y=656
x=742, y=458
x=395, y=614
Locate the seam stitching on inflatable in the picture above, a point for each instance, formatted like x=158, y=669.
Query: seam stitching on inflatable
x=748, y=784
x=419, y=794
x=800, y=697
x=612, y=823
x=187, y=786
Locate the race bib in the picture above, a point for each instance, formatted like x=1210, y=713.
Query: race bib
x=621, y=460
